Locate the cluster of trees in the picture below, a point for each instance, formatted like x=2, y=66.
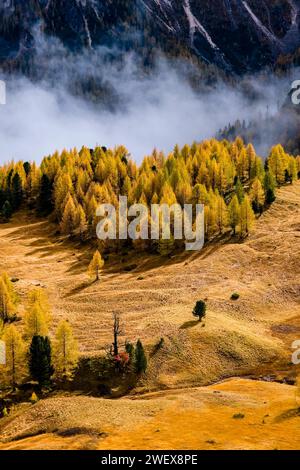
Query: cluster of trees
x=133, y=357
x=31, y=353
x=228, y=177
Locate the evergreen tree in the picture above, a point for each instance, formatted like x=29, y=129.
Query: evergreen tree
x=40, y=366
x=17, y=191
x=200, y=310
x=7, y=210
x=269, y=187
x=45, y=204
x=140, y=363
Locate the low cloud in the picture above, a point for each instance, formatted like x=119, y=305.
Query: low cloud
x=149, y=110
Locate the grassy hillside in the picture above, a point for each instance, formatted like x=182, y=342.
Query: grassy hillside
x=251, y=336
x=156, y=301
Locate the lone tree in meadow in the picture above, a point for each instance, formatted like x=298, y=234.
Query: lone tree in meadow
x=200, y=310
x=95, y=266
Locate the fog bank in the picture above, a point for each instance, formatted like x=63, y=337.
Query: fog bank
x=157, y=110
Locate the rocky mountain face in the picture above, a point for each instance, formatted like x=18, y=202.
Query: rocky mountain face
x=236, y=35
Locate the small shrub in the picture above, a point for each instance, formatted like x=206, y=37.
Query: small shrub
x=235, y=296
x=239, y=416
x=34, y=398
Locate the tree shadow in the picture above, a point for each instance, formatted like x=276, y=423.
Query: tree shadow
x=289, y=414
x=190, y=324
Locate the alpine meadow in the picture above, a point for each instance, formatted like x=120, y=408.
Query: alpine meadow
x=149, y=228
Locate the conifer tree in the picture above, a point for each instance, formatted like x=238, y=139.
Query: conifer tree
x=69, y=219
x=140, y=362
x=234, y=211
x=37, y=314
x=7, y=307
x=257, y=196
x=15, y=367
x=65, y=350
x=81, y=221
x=7, y=210
x=95, y=266
x=17, y=191
x=247, y=216
x=45, y=203
x=239, y=190
x=35, y=322
x=222, y=213
x=277, y=163
x=40, y=366
x=10, y=288
x=269, y=187
x=199, y=310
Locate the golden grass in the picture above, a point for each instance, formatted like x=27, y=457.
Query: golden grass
x=235, y=414
x=250, y=336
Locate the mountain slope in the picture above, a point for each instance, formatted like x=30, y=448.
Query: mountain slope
x=235, y=35
x=252, y=335
x=156, y=301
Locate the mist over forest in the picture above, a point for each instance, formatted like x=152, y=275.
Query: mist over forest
x=105, y=97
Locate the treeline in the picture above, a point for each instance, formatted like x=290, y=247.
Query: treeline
x=233, y=182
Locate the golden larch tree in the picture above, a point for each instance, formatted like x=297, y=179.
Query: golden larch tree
x=96, y=265
x=247, y=216
x=65, y=357
x=14, y=370
x=234, y=213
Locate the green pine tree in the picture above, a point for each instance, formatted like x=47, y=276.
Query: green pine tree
x=140, y=358
x=40, y=366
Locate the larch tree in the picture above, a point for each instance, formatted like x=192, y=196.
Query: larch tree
x=269, y=187
x=96, y=266
x=81, y=221
x=277, y=163
x=10, y=287
x=35, y=322
x=234, y=213
x=247, y=216
x=65, y=357
x=7, y=307
x=15, y=368
x=69, y=219
x=257, y=196
x=37, y=314
x=222, y=213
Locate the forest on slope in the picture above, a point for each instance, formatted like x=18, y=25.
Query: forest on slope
x=229, y=178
